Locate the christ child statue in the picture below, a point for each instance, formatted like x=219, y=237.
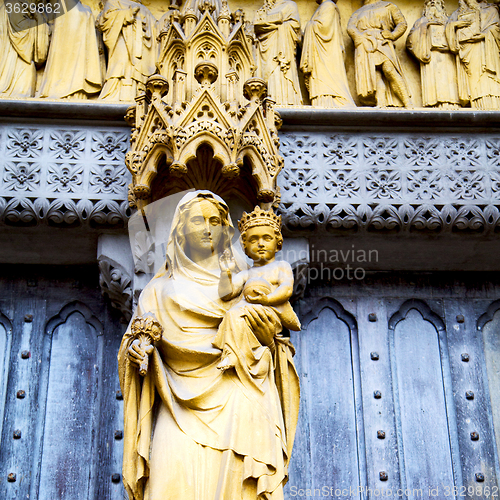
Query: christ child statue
x=268, y=283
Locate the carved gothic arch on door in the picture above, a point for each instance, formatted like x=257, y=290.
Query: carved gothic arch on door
x=329, y=446
x=5, y=347
x=70, y=385
x=425, y=415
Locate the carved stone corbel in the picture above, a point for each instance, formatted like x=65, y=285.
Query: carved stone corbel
x=143, y=251
x=115, y=276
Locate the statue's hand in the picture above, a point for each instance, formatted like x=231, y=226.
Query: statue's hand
x=136, y=355
x=258, y=297
x=264, y=324
x=227, y=262
x=463, y=23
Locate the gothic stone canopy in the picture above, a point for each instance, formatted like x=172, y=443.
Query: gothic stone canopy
x=220, y=136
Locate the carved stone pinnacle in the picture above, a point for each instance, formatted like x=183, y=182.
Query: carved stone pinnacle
x=231, y=171
x=206, y=73
x=157, y=85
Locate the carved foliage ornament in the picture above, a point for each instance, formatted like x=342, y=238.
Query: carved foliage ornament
x=403, y=182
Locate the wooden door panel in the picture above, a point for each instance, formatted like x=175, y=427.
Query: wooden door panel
x=73, y=392
x=491, y=338
x=69, y=412
x=19, y=433
x=373, y=314
x=424, y=443
x=477, y=462
x=488, y=333
x=326, y=450
x=418, y=370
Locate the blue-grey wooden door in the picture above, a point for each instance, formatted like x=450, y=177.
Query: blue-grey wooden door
x=399, y=377
x=400, y=388
x=58, y=386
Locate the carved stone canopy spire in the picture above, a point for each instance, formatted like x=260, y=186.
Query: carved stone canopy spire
x=212, y=128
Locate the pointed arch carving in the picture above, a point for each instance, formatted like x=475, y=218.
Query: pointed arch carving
x=158, y=155
x=220, y=150
x=488, y=315
x=427, y=313
x=328, y=364
x=204, y=171
x=214, y=100
x=314, y=311
x=6, y=323
x=426, y=422
x=67, y=310
x=5, y=347
x=71, y=383
x=489, y=326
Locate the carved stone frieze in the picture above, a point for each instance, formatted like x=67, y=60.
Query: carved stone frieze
x=63, y=175
x=405, y=181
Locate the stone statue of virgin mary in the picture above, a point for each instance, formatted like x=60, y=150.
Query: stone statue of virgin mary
x=192, y=431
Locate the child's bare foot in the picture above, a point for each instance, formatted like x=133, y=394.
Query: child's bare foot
x=225, y=364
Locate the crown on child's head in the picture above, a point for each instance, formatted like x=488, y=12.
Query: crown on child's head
x=259, y=217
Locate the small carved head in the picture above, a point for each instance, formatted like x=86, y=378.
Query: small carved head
x=261, y=234
x=435, y=10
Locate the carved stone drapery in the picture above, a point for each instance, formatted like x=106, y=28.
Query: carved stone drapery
x=115, y=272
x=116, y=285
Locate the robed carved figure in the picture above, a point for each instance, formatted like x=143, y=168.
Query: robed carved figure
x=194, y=431
x=379, y=75
x=277, y=27
x=73, y=68
x=322, y=59
x=129, y=33
x=24, y=41
x=438, y=70
x=473, y=33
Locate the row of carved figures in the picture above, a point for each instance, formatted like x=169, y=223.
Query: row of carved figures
x=458, y=54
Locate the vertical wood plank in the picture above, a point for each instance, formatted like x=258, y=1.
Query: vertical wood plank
x=21, y=407
x=328, y=413
x=111, y=411
x=491, y=338
x=5, y=345
x=421, y=404
x=300, y=464
x=473, y=415
x=381, y=454
x=72, y=393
